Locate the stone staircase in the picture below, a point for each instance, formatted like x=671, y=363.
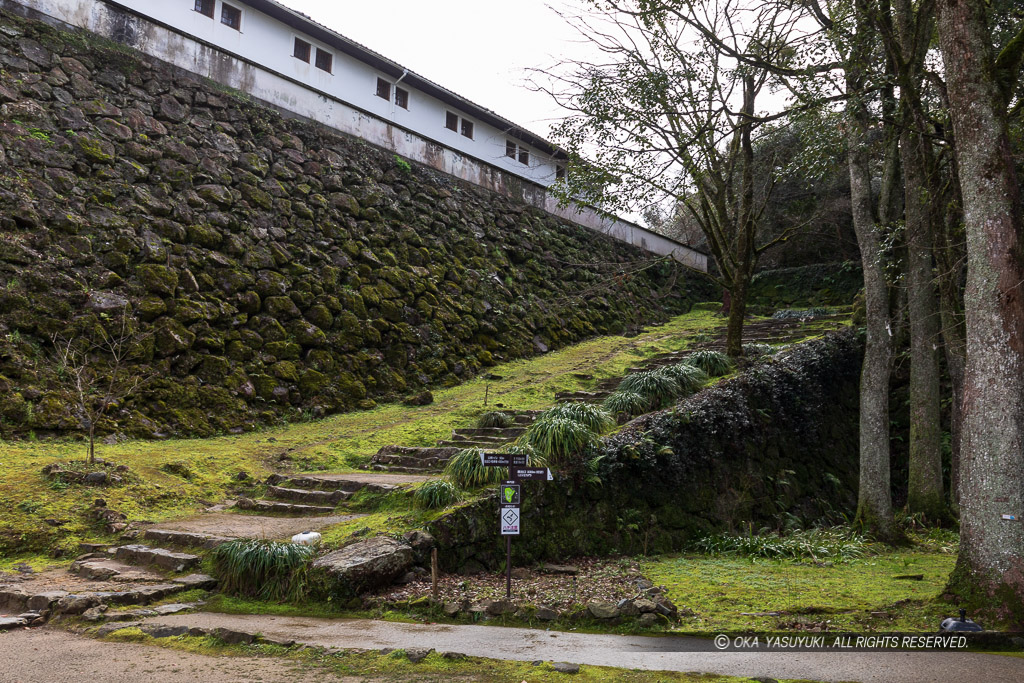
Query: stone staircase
x=100, y=580
x=432, y=459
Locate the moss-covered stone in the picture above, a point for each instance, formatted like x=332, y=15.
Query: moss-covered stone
x=157, y=279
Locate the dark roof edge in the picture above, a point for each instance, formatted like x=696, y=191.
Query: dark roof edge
x=328, y=36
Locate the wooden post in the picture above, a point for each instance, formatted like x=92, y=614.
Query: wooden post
x=508, y=567
x=433, y=573
x=487, y=391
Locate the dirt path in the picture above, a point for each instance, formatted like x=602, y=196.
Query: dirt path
x=252, y=526
x=631, y=652
x=48, y=656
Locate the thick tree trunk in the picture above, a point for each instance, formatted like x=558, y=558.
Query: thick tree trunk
x=737, y=312
x=924, y=491
x=990, y=567
x=949, y=256
x=874, y=507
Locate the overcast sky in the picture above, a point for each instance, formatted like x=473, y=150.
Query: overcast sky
x=479, y=49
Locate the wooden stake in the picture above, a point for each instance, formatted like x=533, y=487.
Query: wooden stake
x=433, y=573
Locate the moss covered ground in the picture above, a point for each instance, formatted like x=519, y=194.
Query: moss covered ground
x=175, y=478
x=754, y=594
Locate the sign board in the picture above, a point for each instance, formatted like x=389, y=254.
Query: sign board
x=510, y=491
x=502, y=460
x=531, y=473
x=509, y=521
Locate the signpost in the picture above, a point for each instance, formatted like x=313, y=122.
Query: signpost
x=510, y=498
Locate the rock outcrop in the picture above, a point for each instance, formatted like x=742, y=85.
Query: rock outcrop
x=270, y=267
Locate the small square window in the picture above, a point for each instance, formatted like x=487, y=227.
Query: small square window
x=524, y=156
x=402, y=97
x=510, y=149
x=467, y=128
x=302, y=50
x=231, y=17
x=383, y=89
x=559, y=172
x=451, y=121
x=324, y=60
x=205, y=7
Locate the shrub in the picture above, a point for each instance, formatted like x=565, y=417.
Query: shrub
x=593, y=417
x=690, y=377
x=714, y=363
x=495, y=419
x=626, y=403
x=836, y=544
x=656, y=387
x=263, y=569
x=755, y=349
x=558, y=439
x=465, y=470
x=436, y=493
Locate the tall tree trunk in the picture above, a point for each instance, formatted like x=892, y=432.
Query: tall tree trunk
x=737, y=312
x=925, y=491
x=990, y=567
x=874, y=506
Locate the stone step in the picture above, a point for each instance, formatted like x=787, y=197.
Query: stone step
x=314, y=483
x=482, y=438
x=418, y=451
x=308, y=496
x=471, y=444
x=341, y=483
x=408, y=461
x=580, y=395
x=102, y=567
x=405, y=470
x=584, y=399
x=15, y=599
x=185, y=539
x=509, y=432
x=158, y=557
x=293, y=509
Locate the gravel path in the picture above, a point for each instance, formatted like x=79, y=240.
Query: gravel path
x=631, y=652
x=50, y=656
x=252, y=526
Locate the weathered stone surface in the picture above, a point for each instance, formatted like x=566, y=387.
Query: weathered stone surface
x=232, y=637
x=645, y=606
x=366, y=564
x=183, y=206
x=546, y=613
x=7, y=623
x=602, y=610
x=565, y=667
x=43, y=601
x=184, y=538
x=141, y=554
x=192, y=581
x=417, y=654
x=647, y=619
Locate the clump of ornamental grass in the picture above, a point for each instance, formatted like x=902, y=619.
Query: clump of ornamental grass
x=627, y=404
x=657, y=388
x=838, y=544
x=713, y=363
x=465, y=470
x=593, y=417
x=265, y=570
x=495, y=419
x=690, y=377
x=559, y=439
x=436, y=494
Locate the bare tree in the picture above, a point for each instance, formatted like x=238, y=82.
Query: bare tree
x=671, y=115
x=98, y=369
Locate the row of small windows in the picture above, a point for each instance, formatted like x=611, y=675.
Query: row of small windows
x=229, y=16
x=304, y=51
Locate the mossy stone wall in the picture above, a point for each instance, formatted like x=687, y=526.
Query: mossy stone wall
x=276, y=270
x=775, y=445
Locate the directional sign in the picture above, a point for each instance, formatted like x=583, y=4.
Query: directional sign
x=510, y=521
x=502, y=460
x=528, y=473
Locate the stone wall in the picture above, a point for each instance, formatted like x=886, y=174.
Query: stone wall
x=774, y=445
x=270, y=267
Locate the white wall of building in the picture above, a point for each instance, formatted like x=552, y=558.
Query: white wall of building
x=258, y=59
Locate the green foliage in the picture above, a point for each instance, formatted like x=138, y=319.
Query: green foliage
x=465, y=470
x=714, y=363
x=593, y=417
x=263, y=569
x=755, y=349
x=403, y=165
x=690, y=377
x=559, y=439
x=656, y=387
x=495, y=419
x=803, y=313
x=437, y=493
x=837, y=544
x=626, y=403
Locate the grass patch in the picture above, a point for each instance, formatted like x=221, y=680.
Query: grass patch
x=837, y=545
x=263, y=569
x=436, y=493
x=155, y=492
x=837, y=595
